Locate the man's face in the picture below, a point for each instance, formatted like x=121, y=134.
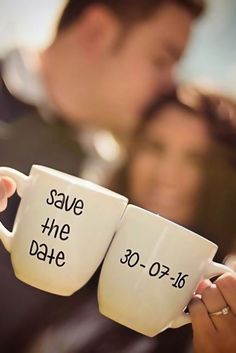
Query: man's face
x=113, y=83
x=142, y=67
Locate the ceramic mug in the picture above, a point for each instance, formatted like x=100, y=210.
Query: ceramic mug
x=151, y=271
x=62, y=230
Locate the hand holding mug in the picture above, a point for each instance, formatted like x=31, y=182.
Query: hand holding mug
x=62, y=230
x=213, y=314
x=7, y=189
x=151, y=271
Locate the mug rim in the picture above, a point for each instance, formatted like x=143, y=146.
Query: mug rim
x=83, y=182
x=173, y=224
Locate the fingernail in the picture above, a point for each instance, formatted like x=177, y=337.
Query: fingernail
x=198, y=296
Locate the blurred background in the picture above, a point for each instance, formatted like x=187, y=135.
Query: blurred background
x=180, y=163
x=210, y=59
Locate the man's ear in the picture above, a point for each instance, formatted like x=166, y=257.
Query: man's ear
x=97, y=31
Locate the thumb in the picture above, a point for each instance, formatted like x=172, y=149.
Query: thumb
x=9, y=185
x=7, y=189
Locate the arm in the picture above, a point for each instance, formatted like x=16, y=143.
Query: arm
x=217, y=333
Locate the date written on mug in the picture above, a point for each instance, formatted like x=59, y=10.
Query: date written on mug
x=156, y=269
x=151, y=271
x=62, y=230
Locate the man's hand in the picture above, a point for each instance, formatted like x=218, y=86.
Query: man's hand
x=7, y=189
x=215, y=333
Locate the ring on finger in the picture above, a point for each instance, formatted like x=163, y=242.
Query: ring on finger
x=223, y=311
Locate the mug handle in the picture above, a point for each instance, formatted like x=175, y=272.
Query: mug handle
x=21, y=181
x=212, y=269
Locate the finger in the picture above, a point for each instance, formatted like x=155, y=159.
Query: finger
x=213, y=299
x=214, y=302
x=3, y=196
x=227, y=286
x=7, y=188
x=10, y=186
x=203, y=285
x=201, y=323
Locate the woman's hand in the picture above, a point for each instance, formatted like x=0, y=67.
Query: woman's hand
x=7, y=189
x=214, y=330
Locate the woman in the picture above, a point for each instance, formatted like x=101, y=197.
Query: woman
x=172, y=169
x=182, y=165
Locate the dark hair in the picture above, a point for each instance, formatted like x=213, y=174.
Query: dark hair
x=217, y=111
x=129, y=11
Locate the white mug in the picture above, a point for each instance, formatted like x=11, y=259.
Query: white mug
x=151, y=271
x=62, y=230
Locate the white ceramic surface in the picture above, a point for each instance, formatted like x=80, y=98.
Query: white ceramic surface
x=63, y=228
x=151, y=271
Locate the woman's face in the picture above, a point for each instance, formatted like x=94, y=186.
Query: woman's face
x=165, y=175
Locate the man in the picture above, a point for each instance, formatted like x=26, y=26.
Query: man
x=106, y=63
x=108, y=60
